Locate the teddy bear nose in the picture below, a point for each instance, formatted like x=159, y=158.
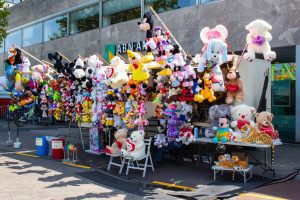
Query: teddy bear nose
x=215, y=56
x=243, y=116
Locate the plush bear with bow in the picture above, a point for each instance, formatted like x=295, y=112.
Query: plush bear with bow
x=120, y=143
x=116, y=73
x=242, y=115
x=264, y=124
x=258, y=40
x=135, y=146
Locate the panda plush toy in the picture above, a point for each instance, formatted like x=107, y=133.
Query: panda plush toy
x=80, y=74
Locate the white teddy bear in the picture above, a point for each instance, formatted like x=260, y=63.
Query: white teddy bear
x=258, y=40
x=116, y=73
x=135, y=146
x=241, y=115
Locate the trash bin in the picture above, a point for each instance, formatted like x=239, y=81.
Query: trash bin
x=42, y=148
x=58, y=148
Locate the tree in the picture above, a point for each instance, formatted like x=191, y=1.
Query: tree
x=4, y=12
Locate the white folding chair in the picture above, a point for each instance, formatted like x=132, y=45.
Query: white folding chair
x=117, y=164
x=147, y=157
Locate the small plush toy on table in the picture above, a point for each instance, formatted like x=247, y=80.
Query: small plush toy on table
x=223, y=130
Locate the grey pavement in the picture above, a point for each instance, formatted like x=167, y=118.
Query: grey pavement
x=56, y=175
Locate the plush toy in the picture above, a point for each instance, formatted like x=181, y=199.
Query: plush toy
x=196, y=86
x=219, y=32
x=264, y=124
x=116, y=73
x=185, y=134
x=234, y=86
x=215, y=112
x=25, y=70
x=173, y=122
x=223, y=130
x=258, y=40
x=57, y=58
x=242, y=115
x=14, y=57
x=177, y=58
x=189, y=74
x=141, y=121
x=136, y=148
x=137, y=66
x=147, y=25
x=160, y=140
x=207, y=92
x=185, y=112
x=93, y=62
x=119, y=143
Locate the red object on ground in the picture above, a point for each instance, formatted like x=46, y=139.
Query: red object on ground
x=58, y=148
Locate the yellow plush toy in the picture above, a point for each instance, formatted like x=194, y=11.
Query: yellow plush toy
x=137, y=66
x=207, y=92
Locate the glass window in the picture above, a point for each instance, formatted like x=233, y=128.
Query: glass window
x=55, y=28
x=84, y=19
x=13, y=38
x=116, y=11
x=167, y=5
x=32, y=35
x=206, y=1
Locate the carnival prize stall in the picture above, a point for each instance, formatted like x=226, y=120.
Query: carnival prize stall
x=111, y=98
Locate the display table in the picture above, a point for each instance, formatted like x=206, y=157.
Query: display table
x=264, y=165
x=243, y=172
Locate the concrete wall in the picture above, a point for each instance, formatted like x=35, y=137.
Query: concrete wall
x=184, y=23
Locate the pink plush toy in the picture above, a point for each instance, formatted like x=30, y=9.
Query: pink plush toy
x=219, y=32
x=141, y=121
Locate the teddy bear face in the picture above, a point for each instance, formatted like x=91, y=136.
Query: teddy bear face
x=223, y=122
x=258, y=27
x=137, y=136
x=264, y=118
x=242, y=112
x=233, y=74
x=121, y=133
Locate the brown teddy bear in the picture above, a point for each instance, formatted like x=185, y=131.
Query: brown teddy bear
x=120, y=143
x=264, y=124
x=234, y=86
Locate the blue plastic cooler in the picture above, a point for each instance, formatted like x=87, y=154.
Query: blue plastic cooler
x=42, y=146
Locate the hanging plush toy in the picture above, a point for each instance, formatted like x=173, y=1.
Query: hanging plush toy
x=173, y=122
x=258, y=40
x=116, y=73
x=57, y=58
x=207, y=92
x=135, y=146
x=137, y=66
x=25, y=70
x=141, y=121
x=185, y=134
x=234, y=86
x=160, y=140
x=147, y=25
x=219, y=32
x=213, y=57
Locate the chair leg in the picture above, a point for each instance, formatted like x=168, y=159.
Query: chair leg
x=109, y=164
x=122, y=165
x=145, y=166
x=151, y=162
x=127, y=170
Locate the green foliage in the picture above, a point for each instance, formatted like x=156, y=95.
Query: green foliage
x=4, y=12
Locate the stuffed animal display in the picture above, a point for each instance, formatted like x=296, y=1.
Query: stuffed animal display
x=258, y=40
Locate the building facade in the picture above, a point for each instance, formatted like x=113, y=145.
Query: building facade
x=86, y=27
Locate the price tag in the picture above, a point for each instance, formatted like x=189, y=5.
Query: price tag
x=57, y=145
x=39, y=142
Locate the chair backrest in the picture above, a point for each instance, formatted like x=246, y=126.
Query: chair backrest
x=148, y=144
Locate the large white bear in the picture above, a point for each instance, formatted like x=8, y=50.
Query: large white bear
x=116, y=73
x=135, y=146
x=258, y=40
x=241, y=115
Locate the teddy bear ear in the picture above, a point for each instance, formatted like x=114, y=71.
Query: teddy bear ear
x=256, y=114
x=249, y=26
x=253, y=110
x=223, y=31
x=203, y=34
x=267, y=25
